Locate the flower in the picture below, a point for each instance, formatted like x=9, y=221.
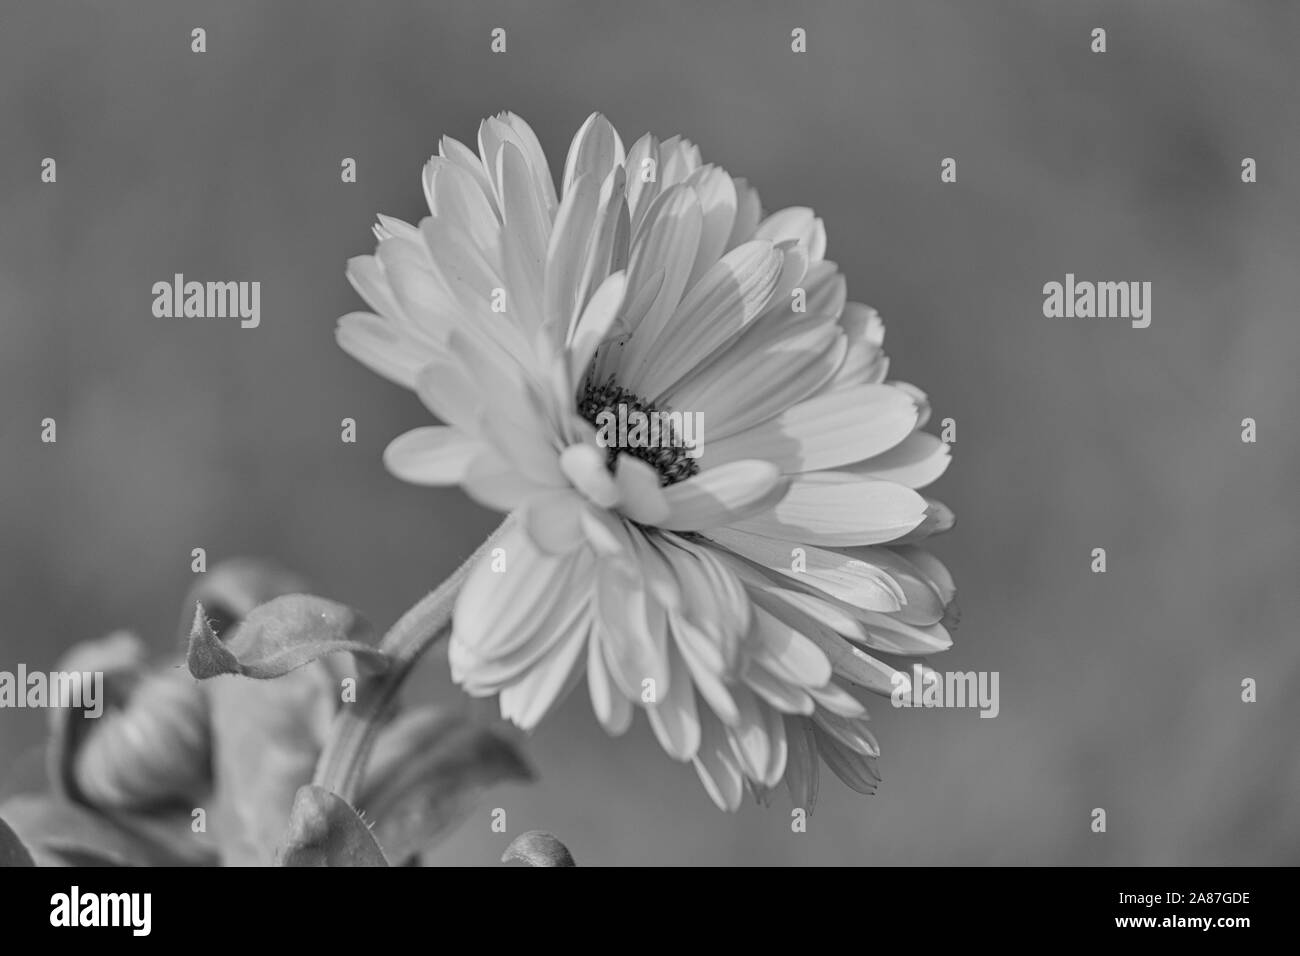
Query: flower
x=739, y=590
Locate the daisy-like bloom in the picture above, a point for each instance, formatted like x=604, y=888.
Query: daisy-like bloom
x=740, y=592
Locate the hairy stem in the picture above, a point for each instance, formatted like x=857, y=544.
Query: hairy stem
x=343, y=761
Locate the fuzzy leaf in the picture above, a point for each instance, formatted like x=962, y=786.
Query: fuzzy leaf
x=120, y=656
x=538, y=848
x=267, y=737
x=279, y=636
x=12, y=850
x=325, y=831
x=231, y=589
x=60, y=833
x=426, y=771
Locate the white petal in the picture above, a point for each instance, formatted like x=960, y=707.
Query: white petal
x=528, y=700
x=527, y=140
x=457, y=197
x=749, y=209
x=784, y=696
x=522, y=607
x=798, y=223
x=855, y=770
x=869, y=628
x=857, y=665
x=584, y=466
x=607, y=250
x=595, y=323
x=749, y=738
x=716, y=764
x=850, y=732
x=642, y=177
x=933, y=569
x=681, y=157
x=717, y=195
x=448, y=392
x=915, y=462
x=865, y=363
x=851, y=578
x=435, y=455
x=596, y=149
x=835, y=699
x=673, y=718
x=938, y=519
x=495, y=483
x=566, y=255
x=832, y=509
x=802, y=767
x=722, y=495
x=705, y=668
x=827, y=431
x=793, y=360
x=721, y=305
x=640, y=496
x=375, y=343
x=367, y=277
x=553, y=520
x=786, y=652
x=893, y=636
x=663, y=253
x=524, y=238
x=633, y=629
x=610, y=705
x=921, y=602
x=457, y=152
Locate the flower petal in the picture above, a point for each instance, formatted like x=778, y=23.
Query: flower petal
x=828, y=431
x=596, y=149
x=610, y=705
x=722, y=495
x=727, y=299
x=435, y=455
x=914, y=463
x=673, y=717
x=833, y=509
x=852, y=578
x=716, y=765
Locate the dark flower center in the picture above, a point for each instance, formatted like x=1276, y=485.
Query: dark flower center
x=625, y=422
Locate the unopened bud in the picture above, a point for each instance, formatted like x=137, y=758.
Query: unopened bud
x=154, y=749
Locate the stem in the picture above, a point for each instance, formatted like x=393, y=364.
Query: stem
x=343, y=761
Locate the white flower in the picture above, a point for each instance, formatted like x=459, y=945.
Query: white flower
x=739, y=597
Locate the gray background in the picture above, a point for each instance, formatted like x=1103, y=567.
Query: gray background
x=1118, y=690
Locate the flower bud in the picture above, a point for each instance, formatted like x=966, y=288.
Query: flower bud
x=153, y=749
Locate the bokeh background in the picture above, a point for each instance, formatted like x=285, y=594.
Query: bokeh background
x=1119, y=690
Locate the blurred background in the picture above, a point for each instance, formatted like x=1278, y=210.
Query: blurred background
x=1118, y=690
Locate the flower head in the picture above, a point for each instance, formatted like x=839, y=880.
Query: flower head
x=739, y=583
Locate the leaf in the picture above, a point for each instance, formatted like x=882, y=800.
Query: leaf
x=149, y=751
x=425, y=773
x=266, y=739
x=538, y=848
x=279, y=636
x=120, y=656
x=266, y=735
x=12, y=850
x=60, y=833
x=325, y=831
x=231, y=589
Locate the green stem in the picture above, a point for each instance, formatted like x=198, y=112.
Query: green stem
x=343, y=761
